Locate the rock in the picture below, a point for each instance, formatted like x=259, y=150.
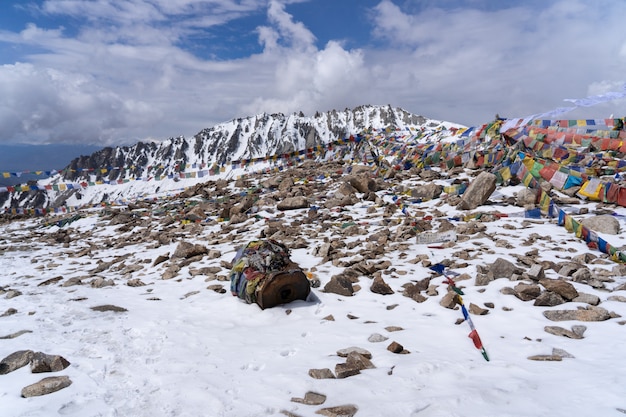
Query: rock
x=428, y=191
x=50, y=281
x=109, y=307
x=536, y=272
x=16, y=334
x=9, y=312
x=561, y=287
x=590, y=299
x=545, y=358
x=293, y=203
x=376, y=338
x=501, y=268
x=187, y=250
x=324, y=373
x=344, y=353
x=478, y=191
x=358, y=361
x=339, y=411
x=479, y=311
x=526, y=197
x=527, y=292
x=311, y=398
x=604, y=223
x=339, y=285
x=363, y=183
x=135, y=282
x=589, y=314
x=46, y=386
x=379, y=286
x=549, y=299
x=396, y=347
x=42, y=362
x=15, y=361
x=343, y=370
x=559, y=331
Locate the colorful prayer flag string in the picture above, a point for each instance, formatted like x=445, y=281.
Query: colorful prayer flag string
x=441, y=269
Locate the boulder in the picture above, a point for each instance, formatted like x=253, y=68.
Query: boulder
x=478, y=191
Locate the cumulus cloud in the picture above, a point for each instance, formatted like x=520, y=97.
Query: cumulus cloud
x=51, y=106
x=126, y=70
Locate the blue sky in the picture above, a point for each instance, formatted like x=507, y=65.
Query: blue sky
x=110, y=72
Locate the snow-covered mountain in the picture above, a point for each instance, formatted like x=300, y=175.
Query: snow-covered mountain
x=242, y=138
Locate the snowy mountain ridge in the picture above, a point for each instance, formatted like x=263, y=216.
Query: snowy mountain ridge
x=241, y=138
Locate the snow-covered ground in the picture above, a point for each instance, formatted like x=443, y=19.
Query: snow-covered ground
x=181, y=349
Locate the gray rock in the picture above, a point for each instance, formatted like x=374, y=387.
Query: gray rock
x=311, y=398
x=339, y=411
x=343, y=370
x=339, y=285
x=379, y=286
x=358, y=361
x=478, y=191
x=187, y=250
x=293, y=203
x=15, y=361
x=501, y=268
x=526, y=197
x=560, y=331
x=561, y=287
x=376, y=338
x=46, y=386
x=589, y=314
x=590, y=299
x=549, y=299
x=527, y=292
x=344, y=353
x=604, y=223
x=536, y=272
x=324, y=373
x=42, y=362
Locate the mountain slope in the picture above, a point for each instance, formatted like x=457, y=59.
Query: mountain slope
x=243, y=138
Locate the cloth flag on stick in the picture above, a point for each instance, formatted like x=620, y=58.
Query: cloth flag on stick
x=441, y=269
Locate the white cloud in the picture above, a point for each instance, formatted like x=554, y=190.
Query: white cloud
x=124, y=75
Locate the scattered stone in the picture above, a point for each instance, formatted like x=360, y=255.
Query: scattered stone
x=555, y=358
x=16, y=334
x=478, y=191
x=396, y=347
x=343, y=370
x=590, y=299
x=527, y=292
x=501, y=268
x=344, y=353
x=561, y=287
x=588, y=314
x=135, y=282
x=187, y=250
x=109, y=307
x=50, y=281
x=324, y=373
x=604, y=223
x=549, y=299
x=310, y=398
x=9, y=312
x=559, y=331
x=358, y=361
x=393, y=328
x=46, y=386
x=339, y=411
x=479, y=311
x=562, y=353
x=379, y=286
x=377, y=337
x=42, y=362
x=15, y=360
x=339, y=285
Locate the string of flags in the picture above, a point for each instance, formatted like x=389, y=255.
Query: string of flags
x=441, y=269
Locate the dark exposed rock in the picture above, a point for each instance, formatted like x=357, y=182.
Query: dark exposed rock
x=42, y=362
x=339, y=411
x=15, y=361
x=339, y=285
